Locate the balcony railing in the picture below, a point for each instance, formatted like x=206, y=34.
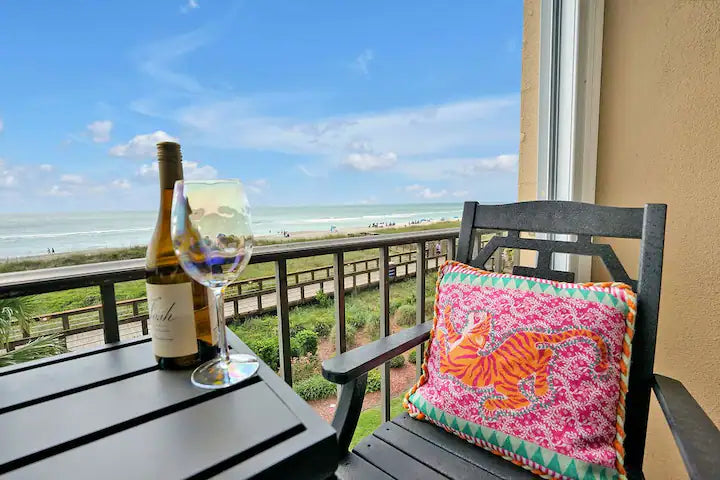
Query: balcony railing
x=334, y=279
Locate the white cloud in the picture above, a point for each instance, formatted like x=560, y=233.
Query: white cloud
x=311, y=173
x=7, y=179
x=470, y=125
x=190, y=5
x=191, y=171
x=72, y=178
x=371, y=200
x=100, y=130
x=46, y=167
x=362, y=62
x=142, y=146
x=257, y=186
x=158, y=60
x=430, y=194
x=426, y=193
x=57, y=191
x=503, y=163
x=121, y=183
x=456, y=168
x=365, y=161
x=461, y=194
x=9, y=174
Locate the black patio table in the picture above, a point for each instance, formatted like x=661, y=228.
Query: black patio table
x=110, y=413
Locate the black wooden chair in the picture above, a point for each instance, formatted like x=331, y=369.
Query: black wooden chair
x=408, y=448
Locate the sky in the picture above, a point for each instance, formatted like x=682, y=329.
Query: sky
x=316, y=102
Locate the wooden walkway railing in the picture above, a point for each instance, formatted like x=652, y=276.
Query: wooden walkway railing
x=128, y=318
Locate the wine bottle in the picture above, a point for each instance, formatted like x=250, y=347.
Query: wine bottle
x=182, y=327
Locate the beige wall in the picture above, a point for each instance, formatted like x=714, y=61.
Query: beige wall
x=527, y=168
x=659, y=141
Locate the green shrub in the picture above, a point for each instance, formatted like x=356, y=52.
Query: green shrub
x=305, y=367
x=350, y=335
x=322, y=329
x=323, y=299
x=405, y=315
x=372, y=328
x=308, y=341
x=358, y=317
x=412, y=356
x=373, y=381
x=395, y=304
x=295, y=329
x=429, y=308
x=295, y=349
x=314, y=388
x=397, y=362
x=268, y=351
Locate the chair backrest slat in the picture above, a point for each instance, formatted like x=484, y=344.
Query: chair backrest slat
x=587, y=221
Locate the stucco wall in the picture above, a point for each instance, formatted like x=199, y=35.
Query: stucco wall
x=659, y=141
x=527, y=165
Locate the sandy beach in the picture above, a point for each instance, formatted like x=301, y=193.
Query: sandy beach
x=305, y=235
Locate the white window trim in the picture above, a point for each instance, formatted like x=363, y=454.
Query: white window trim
x=571, y=33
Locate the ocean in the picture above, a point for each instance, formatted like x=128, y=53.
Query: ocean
x=33, y=234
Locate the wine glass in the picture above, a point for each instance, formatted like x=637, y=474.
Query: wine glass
x=212, y=238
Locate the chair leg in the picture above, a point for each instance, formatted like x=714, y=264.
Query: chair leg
x=348, y=411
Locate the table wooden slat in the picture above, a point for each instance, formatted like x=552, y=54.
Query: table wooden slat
x=26, y=387
x=65, y=421
x=202, y=439
x=306, y=455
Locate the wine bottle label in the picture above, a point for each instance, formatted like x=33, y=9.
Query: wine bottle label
x=172, y=320
x=212, y=314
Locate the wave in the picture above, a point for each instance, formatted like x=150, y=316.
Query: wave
x=69, y=234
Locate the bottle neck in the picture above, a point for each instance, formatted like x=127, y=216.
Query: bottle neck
x=170, y=171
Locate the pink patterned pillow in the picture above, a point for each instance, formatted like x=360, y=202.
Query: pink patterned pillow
x=532, y=370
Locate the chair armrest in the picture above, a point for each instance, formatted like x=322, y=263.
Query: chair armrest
x=350, y=365
x=696, y=436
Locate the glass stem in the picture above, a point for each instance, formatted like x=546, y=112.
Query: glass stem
x=220, y=308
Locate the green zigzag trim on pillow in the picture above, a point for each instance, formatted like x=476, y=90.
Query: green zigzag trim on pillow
x=557, y=462
x=537, y=287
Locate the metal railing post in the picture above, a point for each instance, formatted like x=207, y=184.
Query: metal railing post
x=383, y=264
x=111, y=329
x=283, y=314
x=420, y=302
x=339, y=288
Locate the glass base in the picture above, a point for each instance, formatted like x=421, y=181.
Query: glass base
x=217, y=373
